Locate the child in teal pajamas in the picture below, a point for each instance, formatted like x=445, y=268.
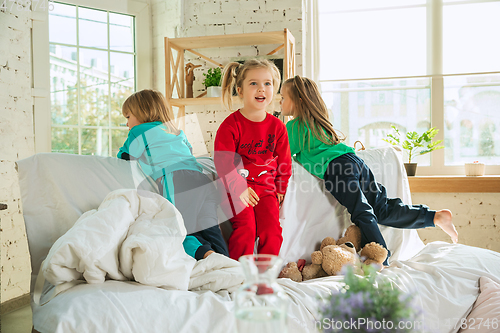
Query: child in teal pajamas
x=165, y=154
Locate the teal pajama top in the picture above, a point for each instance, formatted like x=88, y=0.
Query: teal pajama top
x=160, y=153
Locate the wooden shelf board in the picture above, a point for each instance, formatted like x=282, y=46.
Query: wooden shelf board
x=195, y=101
x=454, y=184
x=259, y=38
x=207, y=100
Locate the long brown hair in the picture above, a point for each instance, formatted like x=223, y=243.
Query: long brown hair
x=150, y=105
x=310, y=109
x=234, y=74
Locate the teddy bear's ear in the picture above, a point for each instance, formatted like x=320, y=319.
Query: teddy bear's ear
x=327, y=241
x=353, y=235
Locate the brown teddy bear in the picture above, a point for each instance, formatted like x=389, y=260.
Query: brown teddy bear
x=333, y=255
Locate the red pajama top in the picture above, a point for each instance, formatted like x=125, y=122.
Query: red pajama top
x=260, y=147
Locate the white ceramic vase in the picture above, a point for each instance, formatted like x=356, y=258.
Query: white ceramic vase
x=214, y=91
x=474, y=169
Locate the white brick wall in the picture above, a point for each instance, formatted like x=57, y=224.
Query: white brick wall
x=17, y=142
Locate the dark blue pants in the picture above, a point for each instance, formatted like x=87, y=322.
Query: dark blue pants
x=352, y=183
x=197, y=200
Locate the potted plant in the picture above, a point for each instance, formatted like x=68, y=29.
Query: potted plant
x=415, y=144
x=212, y=82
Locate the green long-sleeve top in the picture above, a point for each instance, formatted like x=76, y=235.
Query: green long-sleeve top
x=313, y=154
x=160, y=154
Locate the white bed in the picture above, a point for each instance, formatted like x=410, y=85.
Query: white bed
x=57, y=189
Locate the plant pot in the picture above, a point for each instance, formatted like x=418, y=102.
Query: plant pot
x=411, y=169
x=474, y=169
x=214, y=91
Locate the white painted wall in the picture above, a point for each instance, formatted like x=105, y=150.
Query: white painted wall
x=16, y=142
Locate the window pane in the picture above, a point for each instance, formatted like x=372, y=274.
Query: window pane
x=62, y=24
x=118, y=137
x=94, y=87
x=121, y=32
x=371, y=43
x=470, y=38
x=94, y=103
x=93, y=28
x=472, y=109
x=65, y=140
x=365, y=110
x=95, y=141
x=63, y=88
x=122, y=69
x=95, y=62
x=119, y=93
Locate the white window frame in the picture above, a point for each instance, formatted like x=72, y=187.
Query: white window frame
x=41, y=59
x=434, y=72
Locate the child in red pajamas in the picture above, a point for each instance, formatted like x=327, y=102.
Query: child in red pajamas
x=252, y=158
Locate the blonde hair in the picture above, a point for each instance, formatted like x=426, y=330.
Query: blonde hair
x=150, y=105
x=234, y=74
x=310, y=109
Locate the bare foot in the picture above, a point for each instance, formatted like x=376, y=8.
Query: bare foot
x=442, y=219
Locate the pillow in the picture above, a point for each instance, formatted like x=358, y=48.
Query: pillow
x=485, y=314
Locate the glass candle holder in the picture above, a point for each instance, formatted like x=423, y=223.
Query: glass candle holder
x=261, y=304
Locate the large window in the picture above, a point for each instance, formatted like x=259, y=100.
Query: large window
x=88, y=56
x=92, y=71
x=415, y=64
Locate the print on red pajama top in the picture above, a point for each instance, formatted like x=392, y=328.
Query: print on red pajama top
x=262, y=148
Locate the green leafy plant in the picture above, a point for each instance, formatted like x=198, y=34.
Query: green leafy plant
x=414, y=143
x=213, y=77
x=366, y=302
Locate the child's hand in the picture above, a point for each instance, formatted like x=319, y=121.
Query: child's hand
x=207, y=254
x=249, y=197
x=280, y=198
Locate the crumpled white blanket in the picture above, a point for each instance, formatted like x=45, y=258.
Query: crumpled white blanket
x=135, y=235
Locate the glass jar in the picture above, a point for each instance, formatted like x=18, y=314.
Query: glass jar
x=261, y=304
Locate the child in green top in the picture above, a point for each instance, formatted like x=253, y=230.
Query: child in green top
x=319, y=149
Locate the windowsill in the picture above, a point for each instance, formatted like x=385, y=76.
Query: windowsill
x=455, y=184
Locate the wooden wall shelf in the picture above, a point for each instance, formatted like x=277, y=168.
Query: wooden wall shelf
x=174, y=63
x=206, y=101
x=454, y=184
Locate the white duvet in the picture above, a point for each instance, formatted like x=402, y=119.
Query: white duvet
x=444, y=278
x=135, y=235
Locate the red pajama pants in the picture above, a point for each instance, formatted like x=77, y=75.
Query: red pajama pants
x=261, y=221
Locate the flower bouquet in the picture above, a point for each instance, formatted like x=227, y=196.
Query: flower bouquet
x=367, y=304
